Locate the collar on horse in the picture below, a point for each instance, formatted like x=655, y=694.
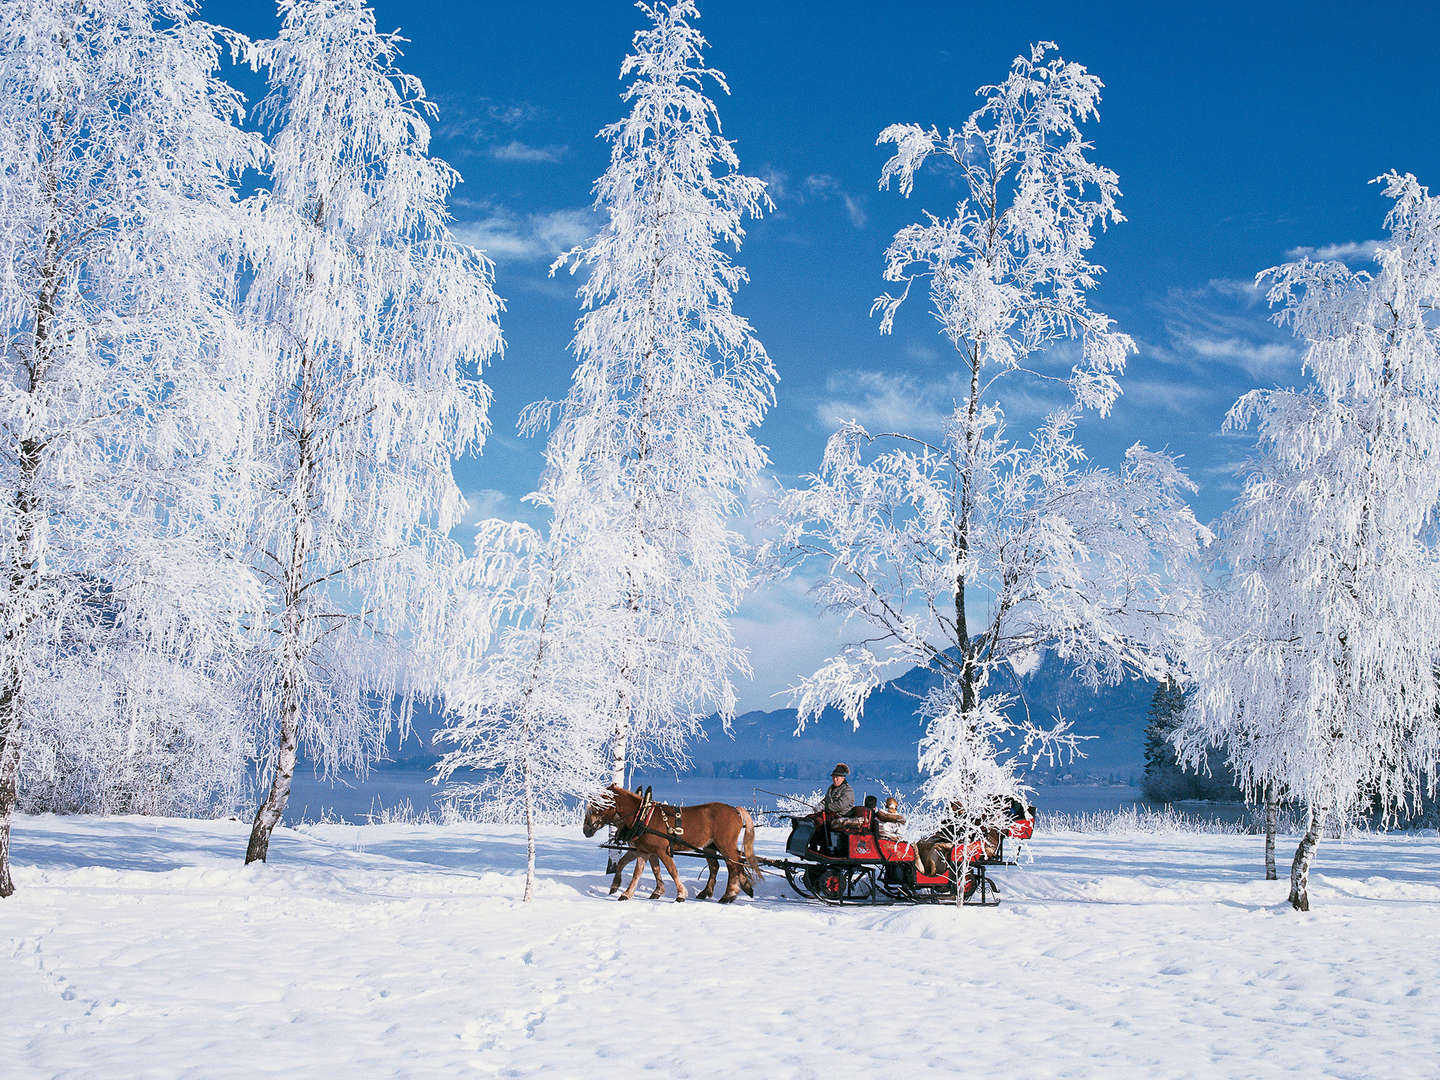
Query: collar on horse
x=640, y=823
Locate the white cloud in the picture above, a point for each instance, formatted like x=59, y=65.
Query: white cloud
x=1349, y=251
x=777, y=184
x=1172, y=395
x=885, y=401
x=888, y=402
x=1258, y=358
x=487, y=503
x=467, y=119
x=825, y=186
x=510, y=237
x=1225, y=322
x=517, y=151
x=854, y=210
x=787, y=637
x=928, y=354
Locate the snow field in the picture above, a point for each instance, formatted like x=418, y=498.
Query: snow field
x=142, y=948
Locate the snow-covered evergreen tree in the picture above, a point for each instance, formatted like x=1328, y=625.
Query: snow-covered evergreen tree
x=117, y=223
x=1165, y=706
x=1166, y=779
x=975, y=550
x=668, y=389
x=372, y=322
x=1319, y=679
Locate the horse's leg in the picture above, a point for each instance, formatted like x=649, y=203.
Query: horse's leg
x=659, y=890
x=630, y=853
x=635, y=880
x=733, y=869
x=714, y=864
x=746, y=882
x=669, y=862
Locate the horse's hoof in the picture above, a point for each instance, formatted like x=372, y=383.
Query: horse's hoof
x=704, y=895
x=727, y=899
x=680, y=899
x=622, y=896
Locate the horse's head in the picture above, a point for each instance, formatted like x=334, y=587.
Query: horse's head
x=600, y=811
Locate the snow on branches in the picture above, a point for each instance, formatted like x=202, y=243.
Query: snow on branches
x=372, y=321
x=117, y=244
x=1008, y=271
x=977, y=550
x=669, y=387
x=529, y=684
x=1319, y=675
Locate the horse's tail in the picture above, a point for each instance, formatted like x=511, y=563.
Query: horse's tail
x=747, y=828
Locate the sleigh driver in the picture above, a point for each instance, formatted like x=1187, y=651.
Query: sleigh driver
x=839, y=798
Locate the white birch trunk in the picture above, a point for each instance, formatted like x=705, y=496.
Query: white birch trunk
x=529, y=835
x=1270, y=816
x=619, y=748
x=22, y=570
x=22, y=581
x=1304, y=856
x=294, y=629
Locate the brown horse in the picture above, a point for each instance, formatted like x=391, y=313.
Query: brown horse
x=654, y=831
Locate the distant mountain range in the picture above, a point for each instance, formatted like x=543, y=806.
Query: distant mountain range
x=763, y=745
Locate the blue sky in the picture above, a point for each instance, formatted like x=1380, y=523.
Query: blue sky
x=1241, y=133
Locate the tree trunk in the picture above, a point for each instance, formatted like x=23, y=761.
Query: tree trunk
x=294, y=627
x=529, y=838
x=293, y=659
x=293, y=654
x=1304, y=855
x=273, y=808
x=619, y=747
x=27, y=518
x=9, y=783
x=1270, y=816
x=962, y=874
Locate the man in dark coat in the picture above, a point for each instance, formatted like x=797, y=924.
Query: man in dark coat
x=839, y=799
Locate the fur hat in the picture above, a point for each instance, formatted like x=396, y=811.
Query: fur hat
x=840, y=770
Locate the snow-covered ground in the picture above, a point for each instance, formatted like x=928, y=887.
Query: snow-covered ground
x=141, y=948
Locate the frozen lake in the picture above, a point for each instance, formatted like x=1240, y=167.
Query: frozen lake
x=394, y=785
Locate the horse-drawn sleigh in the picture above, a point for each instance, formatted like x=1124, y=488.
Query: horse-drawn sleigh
x=850, y=860
x=842, y=860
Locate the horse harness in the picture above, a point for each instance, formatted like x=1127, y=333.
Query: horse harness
x=645, y=821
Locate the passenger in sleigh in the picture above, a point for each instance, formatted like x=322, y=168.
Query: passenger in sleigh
x=933, y=854
x=890, y=822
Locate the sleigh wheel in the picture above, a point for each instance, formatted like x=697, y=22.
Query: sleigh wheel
x=828, y=883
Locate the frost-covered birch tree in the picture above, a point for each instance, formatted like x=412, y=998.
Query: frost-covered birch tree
x=117, y=223
x=530, y=685
x=373, y=322
x=1319, y=677
x=669, y=387
x=972, y=549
